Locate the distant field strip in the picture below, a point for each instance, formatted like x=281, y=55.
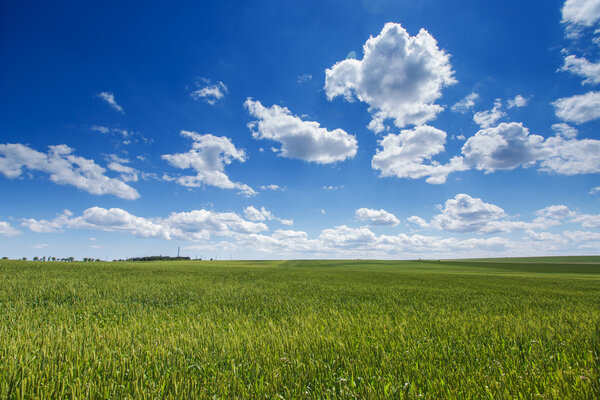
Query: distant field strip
x=537, y=260
x=311, y=329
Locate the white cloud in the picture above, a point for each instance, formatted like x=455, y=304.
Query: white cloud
x=588, y=221
x=101, y=129
x=464, y=213
x=333, y=187
x=304, y=140
x=377, y=217
x=409, y=155
x=126, y=137
x=545, y=236
x=418, y=221
x=208, y=157
x=558, y=212
x=431, y=245
x=346, y=237
x=465, y=104
x=487, y=118
x=280, y=242
x=578, y=109
x=119, y=220
x=583, y=68
x=200, y=224
x=262, y=214
x=509, y=146
x=595, y=190
x=304, y=78
x=127, y=173
x=349, y=241
x=272, y=187
x=400, y=77
x=581, y=12
x=123, y=132
x=461, y=214
x=44, y=226
x=551, y=216
x=7, y=230
x=254, y=214
x=210, y=93
x=568, y=239
x=39, y=246
x=506, y=146
x=571, y=156
x=64, y=168
x=518, y=101
x=582, y=236
x=109, y=98
x=564, y=130
x=192, y=225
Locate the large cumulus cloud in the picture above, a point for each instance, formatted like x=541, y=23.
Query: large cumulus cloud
x=400, y=77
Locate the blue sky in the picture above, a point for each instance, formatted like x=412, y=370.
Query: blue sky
x=313, y=129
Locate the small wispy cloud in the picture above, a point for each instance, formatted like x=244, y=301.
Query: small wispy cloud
x=518, y=101
x=118, y=164
x=332, y=187
x=465, y=104
x=110, y=99
x=124, y=136
x=262, y=214
x=101, y=129
x=211, y=93
x=7, y=230
x=304, y=78
x=272, y=187
x=488, y=118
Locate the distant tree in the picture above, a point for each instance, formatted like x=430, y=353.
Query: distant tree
x=36, y=258
x=157, y=258
x=24, y=258
x=5, y=258
x=53, y=258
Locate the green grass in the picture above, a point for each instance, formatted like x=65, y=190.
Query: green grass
x=468, y=329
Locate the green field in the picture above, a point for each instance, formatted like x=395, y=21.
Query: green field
x=497, y=329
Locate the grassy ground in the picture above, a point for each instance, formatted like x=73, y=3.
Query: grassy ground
x=522, y=328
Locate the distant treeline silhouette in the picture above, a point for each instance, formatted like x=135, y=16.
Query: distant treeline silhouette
x=157, y=258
